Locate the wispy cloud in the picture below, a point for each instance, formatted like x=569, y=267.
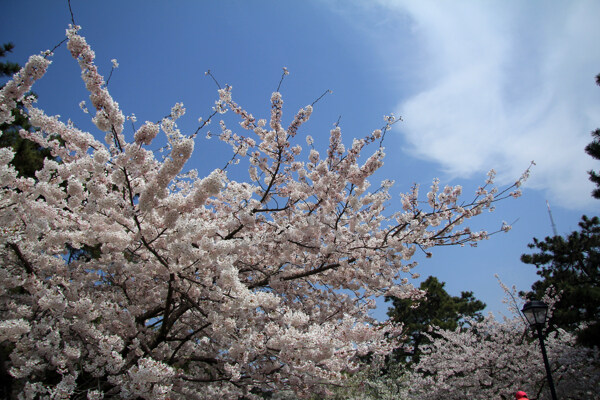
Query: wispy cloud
x=498, y=84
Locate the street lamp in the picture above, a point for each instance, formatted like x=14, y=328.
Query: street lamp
x=536, y=312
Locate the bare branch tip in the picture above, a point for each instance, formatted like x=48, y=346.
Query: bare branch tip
x=71, y=11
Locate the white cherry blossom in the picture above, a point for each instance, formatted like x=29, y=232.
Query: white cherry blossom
x=124, y=275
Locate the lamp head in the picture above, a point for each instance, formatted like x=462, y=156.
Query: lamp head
x=535, y=312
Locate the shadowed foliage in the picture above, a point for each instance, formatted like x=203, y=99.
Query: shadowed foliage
x=571, y=265
x=438, y=309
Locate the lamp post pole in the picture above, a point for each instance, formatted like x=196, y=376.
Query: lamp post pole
x=535, y=312
x=546, y=363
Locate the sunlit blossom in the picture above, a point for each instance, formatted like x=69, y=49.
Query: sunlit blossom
x=151, y=281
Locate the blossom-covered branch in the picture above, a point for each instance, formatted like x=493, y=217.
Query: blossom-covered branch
x=200, y=287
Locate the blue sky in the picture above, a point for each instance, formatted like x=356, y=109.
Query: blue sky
x=479, y=84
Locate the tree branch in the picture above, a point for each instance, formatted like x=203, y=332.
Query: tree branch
x=26, y=264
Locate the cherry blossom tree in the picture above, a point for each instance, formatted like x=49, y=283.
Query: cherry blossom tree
x=200, y=287
x=494, y=358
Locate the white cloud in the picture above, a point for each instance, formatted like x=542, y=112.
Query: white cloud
x=499, y=84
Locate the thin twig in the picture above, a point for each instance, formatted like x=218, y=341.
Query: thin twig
x=208, y=73
x=109, y=76
x=285, y=72
x=48, y=53
x=387, y=127
x=321, y=96
x=204, y=123
x=71, y=11
x=337, y=123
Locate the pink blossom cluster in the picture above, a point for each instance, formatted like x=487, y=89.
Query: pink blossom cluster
x=20, y=85
x=108, y=116
x=124, y=276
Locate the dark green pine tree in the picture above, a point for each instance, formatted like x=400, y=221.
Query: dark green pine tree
x=438, y=309
x=593, y=149
x=572, y=265
x=29, y=157
x=7, y=68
